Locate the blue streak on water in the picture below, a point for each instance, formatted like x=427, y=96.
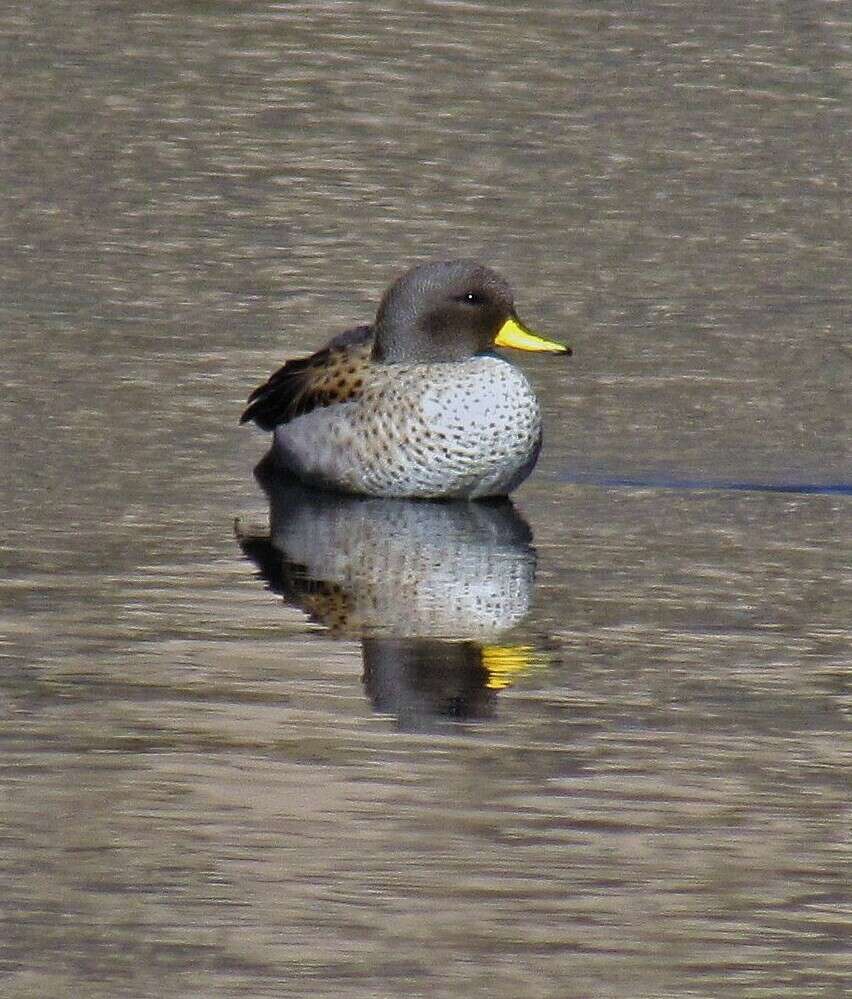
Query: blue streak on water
x=664, y=482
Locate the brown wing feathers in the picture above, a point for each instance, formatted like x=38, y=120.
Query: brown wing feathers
x=333, y=374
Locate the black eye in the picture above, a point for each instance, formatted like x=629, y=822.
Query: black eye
x=472, y=298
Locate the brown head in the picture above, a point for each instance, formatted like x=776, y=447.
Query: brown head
x=450, y=311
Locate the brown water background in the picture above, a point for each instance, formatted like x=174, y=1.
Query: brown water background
x=631, y=781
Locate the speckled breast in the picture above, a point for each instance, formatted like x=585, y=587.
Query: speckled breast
x=467, y=429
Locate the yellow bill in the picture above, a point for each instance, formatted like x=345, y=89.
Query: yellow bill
x=507, y=663
x=514, y=334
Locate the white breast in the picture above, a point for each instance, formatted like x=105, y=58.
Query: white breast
x=465, y=429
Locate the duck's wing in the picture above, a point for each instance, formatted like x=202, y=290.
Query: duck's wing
x=333, y=374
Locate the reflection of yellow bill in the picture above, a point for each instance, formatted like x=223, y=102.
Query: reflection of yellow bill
x=514, y=334
x=507, y=663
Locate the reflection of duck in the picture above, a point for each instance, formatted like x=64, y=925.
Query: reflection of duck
x=417, y=405
x=421, y=678
x=392, y=567
x=424, y=585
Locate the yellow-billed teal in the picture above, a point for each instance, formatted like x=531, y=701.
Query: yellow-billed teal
x=417, y=404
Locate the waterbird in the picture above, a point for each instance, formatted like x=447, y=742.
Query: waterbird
x=417, y=404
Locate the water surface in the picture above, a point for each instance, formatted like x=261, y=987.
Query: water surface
x=590, y=743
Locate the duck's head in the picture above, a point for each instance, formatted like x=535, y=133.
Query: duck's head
x=450, y=311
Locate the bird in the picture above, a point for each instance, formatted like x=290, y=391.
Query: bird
x=418, y=404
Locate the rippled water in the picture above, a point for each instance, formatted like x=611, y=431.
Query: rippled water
x=592, y=742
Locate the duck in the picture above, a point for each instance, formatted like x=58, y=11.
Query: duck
x=418, y=404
